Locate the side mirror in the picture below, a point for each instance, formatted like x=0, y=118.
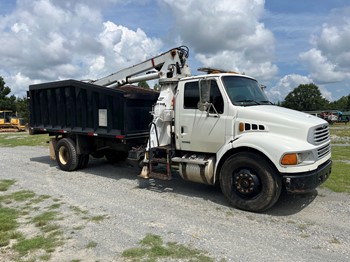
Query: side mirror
x=262, y=87
x=204, y=94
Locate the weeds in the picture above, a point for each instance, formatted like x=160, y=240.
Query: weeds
x=8, y=225
x=44, y=218
x=6, y=183
x=50, y=236
x=38, y=242
x=78, y=210
x=334, y=240
x=152, y=248
x=91, y=244
x=97, y=218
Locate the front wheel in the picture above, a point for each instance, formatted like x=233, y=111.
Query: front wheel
x=250, y=182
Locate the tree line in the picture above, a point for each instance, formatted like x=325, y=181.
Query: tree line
x=13, y=103
x=305, y=97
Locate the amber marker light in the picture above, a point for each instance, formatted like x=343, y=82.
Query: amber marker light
x=241, y=127
x=289, y=159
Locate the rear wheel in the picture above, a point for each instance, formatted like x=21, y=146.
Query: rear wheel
x=250, y=182
x=66, y=154
x=83, y=161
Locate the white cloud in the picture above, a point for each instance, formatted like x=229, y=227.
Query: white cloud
x=20, y=83
x=124, y=47
x=329, y=58
x=288, y=83
x=226, y=34
x=18, y=27
x=321, y=68
x=46, y=40
x=285, y=85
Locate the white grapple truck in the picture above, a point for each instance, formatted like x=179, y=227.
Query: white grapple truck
x=217, y=128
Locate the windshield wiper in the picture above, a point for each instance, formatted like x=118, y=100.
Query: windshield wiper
x=267, y=102
x=248, y=101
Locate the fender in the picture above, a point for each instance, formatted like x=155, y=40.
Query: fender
x=271, y=145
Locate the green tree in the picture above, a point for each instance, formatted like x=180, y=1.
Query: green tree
x=6, y=102
x=342, y=104
x=348, y=104
x=143, y=84
x=305, y=98
x=22, y=108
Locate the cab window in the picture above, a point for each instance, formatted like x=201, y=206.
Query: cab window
x=191, y=99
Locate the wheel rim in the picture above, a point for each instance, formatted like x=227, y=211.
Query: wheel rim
x=63, y=155
x=246, y=183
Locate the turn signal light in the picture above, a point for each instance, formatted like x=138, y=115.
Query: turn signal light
x=241, y=127
x=289, y=159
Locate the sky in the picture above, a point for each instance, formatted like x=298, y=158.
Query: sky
x=280, y=43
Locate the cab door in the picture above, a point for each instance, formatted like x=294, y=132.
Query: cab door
x=196, y=130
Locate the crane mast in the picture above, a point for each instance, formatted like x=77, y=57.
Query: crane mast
x=168, y=65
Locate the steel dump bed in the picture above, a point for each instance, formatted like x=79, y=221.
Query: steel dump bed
x=72, y=106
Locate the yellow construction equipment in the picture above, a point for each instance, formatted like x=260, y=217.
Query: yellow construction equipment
x=9, y=122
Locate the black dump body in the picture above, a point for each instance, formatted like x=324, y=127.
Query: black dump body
x=77, y=107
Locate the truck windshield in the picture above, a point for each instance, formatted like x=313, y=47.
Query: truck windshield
x=244, y=91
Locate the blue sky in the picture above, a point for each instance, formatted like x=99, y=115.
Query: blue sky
x=280, y=43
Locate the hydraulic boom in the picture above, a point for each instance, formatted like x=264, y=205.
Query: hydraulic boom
x=170, y=64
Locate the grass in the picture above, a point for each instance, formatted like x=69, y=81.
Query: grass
x=55, y=206
x=20, y=214
x=44, y=218
x=341, y=153
x=19, y=196
x=91, y=244
x=39, y=199
x=78, y=210
x=98, y=218
x=6, y=183
x=48, y=244
x=11, y=211
x=151, y=248
x=8, y=225
x=340, y=131
x=339, y=181
x=22, y=139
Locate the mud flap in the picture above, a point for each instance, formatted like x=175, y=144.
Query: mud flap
x=52, y=146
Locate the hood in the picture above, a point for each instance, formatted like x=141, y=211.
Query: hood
x=280, y=120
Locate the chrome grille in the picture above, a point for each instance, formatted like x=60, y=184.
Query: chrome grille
x=319, y=135
x=323, y=151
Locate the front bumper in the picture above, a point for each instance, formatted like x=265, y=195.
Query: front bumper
x=308, y=181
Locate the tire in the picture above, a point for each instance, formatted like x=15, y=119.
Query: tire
x=250, y=182
x=66, y=154
x=83, y=161
x=115, y=156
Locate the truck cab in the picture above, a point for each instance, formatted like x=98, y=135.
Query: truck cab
x=229, y=133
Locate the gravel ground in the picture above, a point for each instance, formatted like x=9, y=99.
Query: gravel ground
x=313, y=227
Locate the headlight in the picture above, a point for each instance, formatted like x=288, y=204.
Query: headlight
x=298, y=158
